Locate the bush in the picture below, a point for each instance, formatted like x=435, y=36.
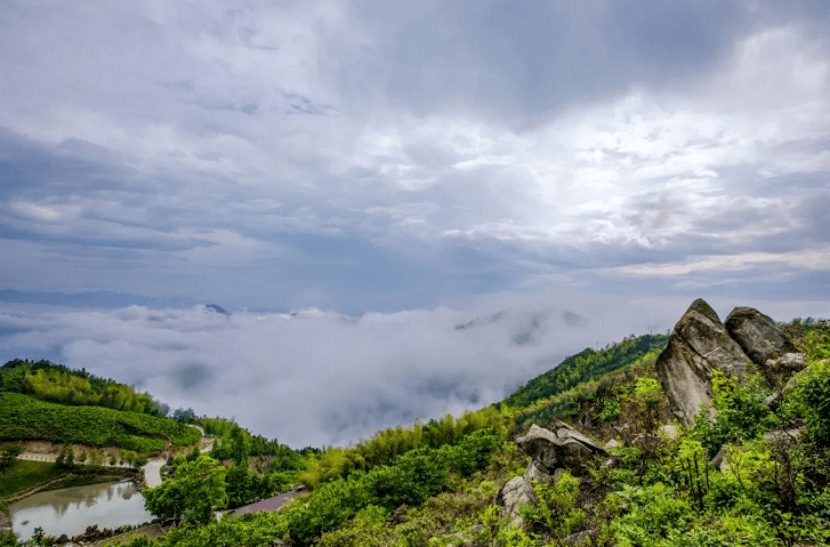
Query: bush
x=651, y=514
x=741, y=413
x=557, y=510
x=812, y=399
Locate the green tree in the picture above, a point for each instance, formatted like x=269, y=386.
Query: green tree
x=66, y=458
x=240, y=447
x=196, y=489
x=239, y=483
x=166, y=501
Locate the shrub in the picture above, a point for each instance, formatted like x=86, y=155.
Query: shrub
x=652, y=514
x=741, y=412
x=812, y=399
x=556, y=510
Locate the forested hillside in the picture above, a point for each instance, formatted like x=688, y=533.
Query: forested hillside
x=58, y=383
x=585, y=366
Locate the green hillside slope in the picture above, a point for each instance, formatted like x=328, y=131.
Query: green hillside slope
x=23, y=417
x=58, y=383
x=585, y=366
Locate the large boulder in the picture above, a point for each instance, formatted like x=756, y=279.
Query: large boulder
x=513, y=496
x=563, y=447
x=758, y=335
x=698, y=345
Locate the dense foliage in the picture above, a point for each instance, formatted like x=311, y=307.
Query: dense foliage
x=607, y=397
x=23, y=417
x=389, y=444
x=196, y=488
x=58, y=383
x=415, y=477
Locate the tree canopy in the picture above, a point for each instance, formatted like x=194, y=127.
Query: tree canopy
x=196, y=489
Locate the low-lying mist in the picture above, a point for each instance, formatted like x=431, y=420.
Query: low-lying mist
x=317, y=378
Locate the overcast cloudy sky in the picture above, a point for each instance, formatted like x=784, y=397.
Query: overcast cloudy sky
x=402, y=163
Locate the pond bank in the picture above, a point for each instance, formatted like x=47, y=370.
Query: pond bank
x=72, y=511
x=152, y=531
x=5, y=522
x=69, y=479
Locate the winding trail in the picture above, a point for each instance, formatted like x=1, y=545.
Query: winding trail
x=270, y=504
x=152, y=472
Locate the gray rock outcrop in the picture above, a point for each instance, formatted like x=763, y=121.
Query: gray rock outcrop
x=564, y=447
x=758, y=335
x=534, y=473
x=698, y=345
x=579, y=538
x=513, y=496
x=789, y=362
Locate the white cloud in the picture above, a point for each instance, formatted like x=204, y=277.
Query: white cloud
x=818, y=259
x=317, y=377
x=35, y=211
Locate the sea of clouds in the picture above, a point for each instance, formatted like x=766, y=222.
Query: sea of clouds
x=318, y=378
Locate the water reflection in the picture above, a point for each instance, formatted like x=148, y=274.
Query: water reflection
x=71, y=510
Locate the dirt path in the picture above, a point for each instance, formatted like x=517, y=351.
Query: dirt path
x=270, y=504
x=152, y=472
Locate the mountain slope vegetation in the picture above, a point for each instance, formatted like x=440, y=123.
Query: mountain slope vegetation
x=585, y=366
x=24, y=417
x=60, y=384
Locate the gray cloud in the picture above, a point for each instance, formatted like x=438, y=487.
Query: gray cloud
x=521, y=63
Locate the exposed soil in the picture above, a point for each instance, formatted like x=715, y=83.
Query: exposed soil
x=48, y=452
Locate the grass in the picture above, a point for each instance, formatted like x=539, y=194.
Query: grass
x=22, y=475
x=90, y=476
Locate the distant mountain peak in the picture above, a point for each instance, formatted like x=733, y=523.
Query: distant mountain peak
x=574, y=319
x=217, y=308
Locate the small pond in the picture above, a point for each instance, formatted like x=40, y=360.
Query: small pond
x=71, y=510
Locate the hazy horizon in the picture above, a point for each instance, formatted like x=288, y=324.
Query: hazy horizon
x=316, y=377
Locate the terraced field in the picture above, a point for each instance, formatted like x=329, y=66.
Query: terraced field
x=25, y=418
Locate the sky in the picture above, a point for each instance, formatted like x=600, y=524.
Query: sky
x=390, y=170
